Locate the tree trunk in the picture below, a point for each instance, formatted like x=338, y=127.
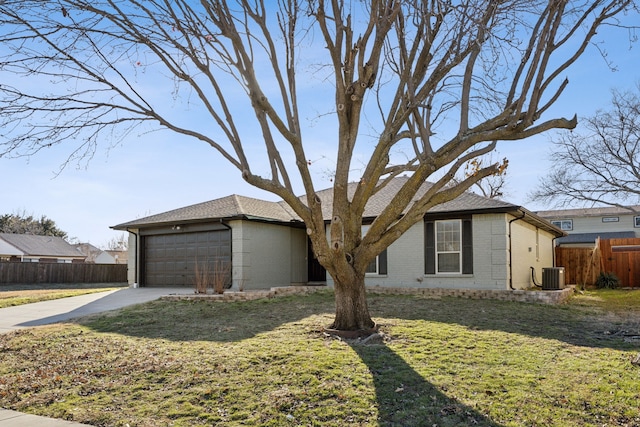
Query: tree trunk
x=352, y=311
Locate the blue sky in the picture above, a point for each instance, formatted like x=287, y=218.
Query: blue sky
x=152, y=173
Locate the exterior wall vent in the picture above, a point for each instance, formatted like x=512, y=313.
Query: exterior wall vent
x=552, y=278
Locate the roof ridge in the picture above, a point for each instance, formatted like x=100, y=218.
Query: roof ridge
x=237, y=204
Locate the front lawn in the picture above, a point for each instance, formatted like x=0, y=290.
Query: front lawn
x=447, y=362
x=12, y=295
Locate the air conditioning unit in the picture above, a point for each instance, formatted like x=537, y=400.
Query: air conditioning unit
x=552, y=278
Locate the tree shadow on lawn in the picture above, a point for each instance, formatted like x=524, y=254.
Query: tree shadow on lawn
x=403, y=395
x=202, y=320
x=406, y=399
x=571, y=324
x=236, y=321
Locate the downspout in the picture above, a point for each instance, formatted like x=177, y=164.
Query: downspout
x=511, y=251
x=553, y=250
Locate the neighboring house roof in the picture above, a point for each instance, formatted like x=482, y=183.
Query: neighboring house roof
x=7, y=249
x=235, y=206
x=591, y=237
x=87, y=248
x=43, y=246
x=94, y=254
x=586, y=212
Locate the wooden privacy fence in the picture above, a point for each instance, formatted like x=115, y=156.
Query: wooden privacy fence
x=618, y=256
x=622, y=257
x=581, y=265
x=37, y=272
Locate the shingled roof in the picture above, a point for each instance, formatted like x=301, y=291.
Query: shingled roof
x=378, y=202
x=228, y=207
x=236, y=207
x=43, y=246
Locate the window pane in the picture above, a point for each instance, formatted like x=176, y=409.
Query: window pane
x=373, y=266
x=449, y=263
x=448, y=236
x=565, y=224
x=448, y=246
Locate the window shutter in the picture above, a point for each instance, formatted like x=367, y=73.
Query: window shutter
x=382, y=262
x=429, y=248
x=467, y=247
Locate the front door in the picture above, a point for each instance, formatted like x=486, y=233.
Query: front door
x=316, y=272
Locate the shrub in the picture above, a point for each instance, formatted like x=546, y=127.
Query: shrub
x=201, y=278
x=607, y=281
x=221, y=272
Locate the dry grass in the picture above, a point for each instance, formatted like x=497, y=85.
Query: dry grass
x=12, y=295
x=446, y=362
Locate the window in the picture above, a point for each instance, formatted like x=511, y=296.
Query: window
x=372, y=268
x=563, y=224
x=448, y=246
x=636, y=221
x=377, y=266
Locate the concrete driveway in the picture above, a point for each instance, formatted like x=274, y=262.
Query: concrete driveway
x=63, y=309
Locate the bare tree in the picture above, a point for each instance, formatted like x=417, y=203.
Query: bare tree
x=439, y=81
x=600, y=164
x=118, y=243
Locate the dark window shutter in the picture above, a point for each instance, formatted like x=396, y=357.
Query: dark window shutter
x=429, y=248
x=382, y=262
x=467, y=247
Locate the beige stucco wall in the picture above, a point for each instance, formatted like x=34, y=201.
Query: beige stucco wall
x=532, y=247
x=266, y=255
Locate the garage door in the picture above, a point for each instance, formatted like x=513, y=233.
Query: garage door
x=171, y=259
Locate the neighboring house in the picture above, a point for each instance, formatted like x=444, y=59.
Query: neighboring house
x=471, y=242
x=585, y=225
x=120, y=256
x=31, y=248
x=95, y=255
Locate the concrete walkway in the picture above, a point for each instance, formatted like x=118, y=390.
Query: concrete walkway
x=18, y=419
x=61, y=310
